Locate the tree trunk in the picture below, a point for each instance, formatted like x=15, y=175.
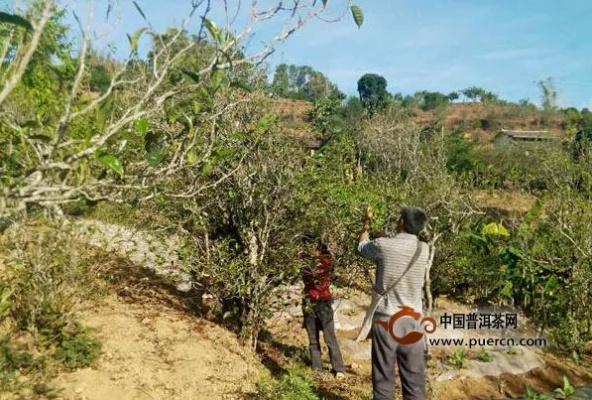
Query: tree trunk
x=253, y=249
x=428, y=280
x=207, y=243
x=252, y=306
x=428, y=289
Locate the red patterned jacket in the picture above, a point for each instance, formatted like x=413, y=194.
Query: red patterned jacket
x=317, y=278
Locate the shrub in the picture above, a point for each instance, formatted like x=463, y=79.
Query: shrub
x=459, y=359
x=461, y=154
x=49, y=274
x=76, y=348
x=567, y=391
x=531, y=394
x=485, y=354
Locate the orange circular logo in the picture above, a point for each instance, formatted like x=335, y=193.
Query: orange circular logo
x=411, y=337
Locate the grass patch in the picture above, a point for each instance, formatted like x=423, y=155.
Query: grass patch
x=485, y=354
x=458, y=358
x=295, y=384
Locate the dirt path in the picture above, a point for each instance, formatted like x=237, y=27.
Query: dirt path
x=151, y=351
x=153, y=348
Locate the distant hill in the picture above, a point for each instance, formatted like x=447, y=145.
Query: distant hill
x=483, y=121
x=480, y=121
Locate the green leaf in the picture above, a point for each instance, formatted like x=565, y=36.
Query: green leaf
x=191, y=157
x=196, y=107
x=358, y=15
x=566, y=384
x=213, y=29
x=140, y=10
x=494, y=229
x=15, y=20
x=515, y=252
x=4, y=302
x=142, y=126
x=43, y=138
x=111, y=162
x=534, y=211
x=154, y=156
x=134, y=39
x=207, y=169
x=241, y=85
x=531, y=216
x=507, y=289
x=6, y=293
x=225, y=152
x=102, y=113
x=194, y=77
x=31, y=124
x=217, y=77
x=476, y=237
x=551, y=283
x=265, y=123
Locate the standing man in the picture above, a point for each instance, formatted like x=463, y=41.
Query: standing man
x=401, y=263
x=317, y=304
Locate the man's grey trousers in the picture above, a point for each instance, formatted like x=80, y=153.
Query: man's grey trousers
x=386, y=353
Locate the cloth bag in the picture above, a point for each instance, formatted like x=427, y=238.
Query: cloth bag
x=364, y=332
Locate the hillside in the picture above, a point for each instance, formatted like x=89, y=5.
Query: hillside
x=479, y=121
x=294, y=115
x=482, y=121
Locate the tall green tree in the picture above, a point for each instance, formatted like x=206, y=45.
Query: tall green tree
x=281, y=81
x=548, y=95
x=453, y=96
x=431, y=100
x=303, y=83
x=475, y=93
x=373, y=93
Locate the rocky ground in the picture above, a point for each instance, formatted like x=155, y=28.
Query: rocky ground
x=350, y=307
x=162, y=255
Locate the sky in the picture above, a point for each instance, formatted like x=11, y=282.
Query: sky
x=504, y=46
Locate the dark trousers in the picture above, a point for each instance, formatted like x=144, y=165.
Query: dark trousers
x=319, y=317
x=386, y=353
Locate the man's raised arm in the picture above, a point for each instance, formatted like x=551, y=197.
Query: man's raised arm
x=366, y=247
